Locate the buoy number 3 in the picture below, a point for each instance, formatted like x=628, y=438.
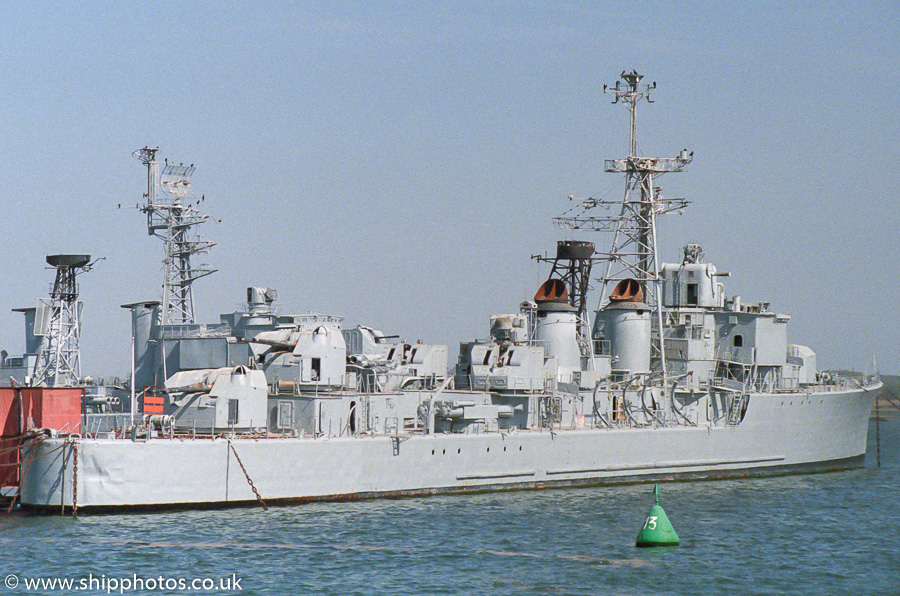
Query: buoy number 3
x=650, y=524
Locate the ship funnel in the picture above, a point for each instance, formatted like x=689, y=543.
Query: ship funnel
x=627, y=327
x=144, y=327
x=627, y=290
x=32, y=341
x=556, y=327
x=552, y=290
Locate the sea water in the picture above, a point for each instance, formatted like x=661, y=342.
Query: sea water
x=834, y=533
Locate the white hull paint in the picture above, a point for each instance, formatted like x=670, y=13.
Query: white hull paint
x=781, y=433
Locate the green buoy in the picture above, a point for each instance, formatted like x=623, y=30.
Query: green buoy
x=657, y=530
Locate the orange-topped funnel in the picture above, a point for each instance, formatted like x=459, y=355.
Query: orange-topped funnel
x=627, y=290
x=552, y=290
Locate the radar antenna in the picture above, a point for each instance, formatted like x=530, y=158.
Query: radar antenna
x=171, y=218
x=632, y=219
x=58, y=320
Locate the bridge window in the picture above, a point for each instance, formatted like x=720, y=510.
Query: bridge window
x=738, y=341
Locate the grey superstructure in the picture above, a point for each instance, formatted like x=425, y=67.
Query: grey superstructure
x=667, y=378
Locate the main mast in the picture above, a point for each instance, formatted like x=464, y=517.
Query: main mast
x=632, y=219
x=171, y=219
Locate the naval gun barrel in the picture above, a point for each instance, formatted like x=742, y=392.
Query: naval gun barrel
x=194, y=388
x=287, y=346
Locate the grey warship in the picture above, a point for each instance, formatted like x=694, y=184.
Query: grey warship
x=665, y=377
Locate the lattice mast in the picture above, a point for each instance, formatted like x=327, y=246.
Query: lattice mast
x=632, y=219
x=58, y=320
x=171, y=217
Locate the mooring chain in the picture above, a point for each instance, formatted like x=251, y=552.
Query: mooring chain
x=247, y=476
x=75, y=483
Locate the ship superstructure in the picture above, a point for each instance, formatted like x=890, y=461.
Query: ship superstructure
x=667, y=378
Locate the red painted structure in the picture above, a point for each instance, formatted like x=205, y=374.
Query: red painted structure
x=25, y=408
x=154, y=401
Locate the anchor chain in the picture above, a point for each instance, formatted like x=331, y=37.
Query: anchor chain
x=75, y=483
x=247, y=476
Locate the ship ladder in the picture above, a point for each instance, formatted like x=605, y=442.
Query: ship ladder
x=363, y=425
x=737, y=401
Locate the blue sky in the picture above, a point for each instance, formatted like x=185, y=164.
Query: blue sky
x=397, y=163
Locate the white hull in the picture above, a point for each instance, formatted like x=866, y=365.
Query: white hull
x=781, y=433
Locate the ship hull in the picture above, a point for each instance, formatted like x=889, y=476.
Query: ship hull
x=780, y=434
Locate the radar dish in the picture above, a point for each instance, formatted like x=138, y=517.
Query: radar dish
x=176, y=181
x=68, y=260
x=572, y=250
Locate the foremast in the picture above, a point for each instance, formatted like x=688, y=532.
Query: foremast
x=632, y=219
x=171, y=219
